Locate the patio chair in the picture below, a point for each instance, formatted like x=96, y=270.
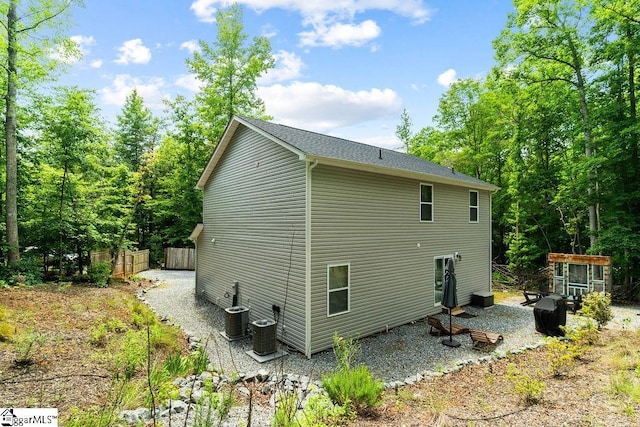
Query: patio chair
x=482, y=339
x=530, y=297
x=438, y=329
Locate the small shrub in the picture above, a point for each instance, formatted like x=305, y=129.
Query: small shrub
x=319, y=411
x=583, y=335
x=115, y=325
x=99, y=273
x=346, y=350
x=92, y=417
x=176, y=365
x=212, y=407
x=7, y=330
x=626, y=385
x=561, y=355
x=132, y=354
x=526, y=386
x=597, y=305
x=199, y=361
x=99, y=336
x=27, y=271
x=286, y=410
x=26, y=344
x=355, y=388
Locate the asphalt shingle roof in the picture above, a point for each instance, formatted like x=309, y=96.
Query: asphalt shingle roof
x=324, y=146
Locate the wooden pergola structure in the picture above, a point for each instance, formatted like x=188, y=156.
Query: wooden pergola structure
x=571, y=274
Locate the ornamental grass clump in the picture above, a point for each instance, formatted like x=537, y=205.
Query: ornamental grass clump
x=353, y=387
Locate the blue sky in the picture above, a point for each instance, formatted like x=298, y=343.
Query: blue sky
x=343, y=67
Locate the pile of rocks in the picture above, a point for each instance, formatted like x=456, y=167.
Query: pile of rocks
x=195, y=390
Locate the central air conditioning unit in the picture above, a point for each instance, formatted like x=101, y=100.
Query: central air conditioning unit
x=264, y=336
x=236, y=320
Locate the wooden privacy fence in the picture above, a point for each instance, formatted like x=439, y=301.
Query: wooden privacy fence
x=179, y=258
x=127, y=262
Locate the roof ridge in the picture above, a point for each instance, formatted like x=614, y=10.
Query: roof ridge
x=323, y=135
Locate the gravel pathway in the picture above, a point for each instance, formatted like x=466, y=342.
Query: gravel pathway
x=397, y=355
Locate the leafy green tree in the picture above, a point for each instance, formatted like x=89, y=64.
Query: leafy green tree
x=137, y=132
x=31, y=29
x=79, y=199
x=228, y=69
x=173, y=204
x=403, y=130
x=546, y=42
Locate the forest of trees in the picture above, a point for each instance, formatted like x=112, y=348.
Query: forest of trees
x=72, y=183
x=554, y=125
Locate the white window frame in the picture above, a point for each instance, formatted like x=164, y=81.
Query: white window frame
x=431, y=203
x=348, y=287
x=476, y=207
x=438, y=302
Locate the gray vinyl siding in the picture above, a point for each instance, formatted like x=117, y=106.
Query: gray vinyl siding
x=372, y=221
x=254, y=208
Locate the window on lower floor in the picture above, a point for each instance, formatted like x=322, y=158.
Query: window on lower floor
x=337, y=288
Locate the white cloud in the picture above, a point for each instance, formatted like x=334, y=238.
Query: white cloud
x=189, y=82
x=389, y=142
x=205, y=10
x=133, y=51
x=447, y=78
x=81, y=44
x=322, y=108
x=122, y=85
x=339, y=34
x=190, y=45
x=288, y=67
x=96, y=63
x=330, y=21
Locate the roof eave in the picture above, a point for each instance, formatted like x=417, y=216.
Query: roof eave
x=403, y=173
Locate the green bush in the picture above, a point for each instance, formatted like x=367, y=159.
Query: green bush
x=597, y=305
x=175, y=364
x=99, y=273
x=199, y=361
x=7, y=330
x=27, y=271
x=319, y=411
x=562, y=355
x=28, y=343
x=584, y=335
x=355, y=388
x=525, y=385
x=346, y=350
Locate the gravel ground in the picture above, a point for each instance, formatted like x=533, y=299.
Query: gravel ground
x=397, y=355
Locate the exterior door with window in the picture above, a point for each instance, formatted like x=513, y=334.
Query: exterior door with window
x=439, y=264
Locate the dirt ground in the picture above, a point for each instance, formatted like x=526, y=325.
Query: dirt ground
x=66, y=371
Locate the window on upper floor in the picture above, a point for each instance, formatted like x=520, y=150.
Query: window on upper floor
x=426, y=203
x=473, y=206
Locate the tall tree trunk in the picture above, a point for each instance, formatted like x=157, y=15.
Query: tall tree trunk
x=11, y=138
x=61, y=211
x=635, y=159
x=588, y=142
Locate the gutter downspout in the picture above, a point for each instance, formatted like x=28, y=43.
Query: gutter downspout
x=307, y=250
